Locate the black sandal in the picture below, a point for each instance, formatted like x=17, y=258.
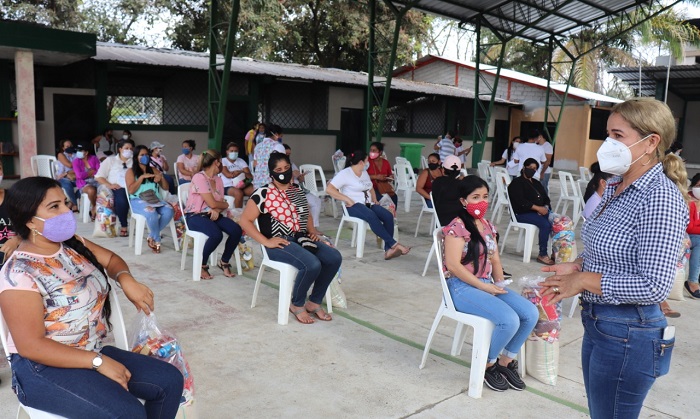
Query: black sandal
x=205, y=268
x=224, y=266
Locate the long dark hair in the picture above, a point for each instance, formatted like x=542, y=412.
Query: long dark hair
x=136, y=166
x=592, y=186
x=476, y=244
x=23, y=200
x=355, y=157
x=511, y=149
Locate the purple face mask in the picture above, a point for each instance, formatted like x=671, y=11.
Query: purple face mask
x=59, y=228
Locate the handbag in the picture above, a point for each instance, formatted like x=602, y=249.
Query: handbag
x=384, y=187
x=150, y=197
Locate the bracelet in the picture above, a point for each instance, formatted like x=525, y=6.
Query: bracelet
x=116, y=277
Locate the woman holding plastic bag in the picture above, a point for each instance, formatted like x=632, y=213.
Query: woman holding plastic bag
x=54, y=295
x=288, y=233
x=628, y=266
x=474, y=276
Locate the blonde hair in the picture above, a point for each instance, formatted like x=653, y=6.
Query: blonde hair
x=650, y=116
x=208, y=158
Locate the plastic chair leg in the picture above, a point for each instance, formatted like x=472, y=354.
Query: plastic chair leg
x=430, y=257
x=436, y=323
x=361, y=234
x=574, y=304
x=522, y=369
x=337, y=236
x=237, y=257
x=257, y=285
x=458, y=340
x=480, y=353
x=285, y=296
x=185, y=245
x=407, y=200
x=136, y=233
x=197, y=250
x=173, y=232
x=85, y=207
x=529, y=242
x=418, y=223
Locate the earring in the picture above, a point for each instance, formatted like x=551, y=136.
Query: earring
x=648, y=161
x=34, y=234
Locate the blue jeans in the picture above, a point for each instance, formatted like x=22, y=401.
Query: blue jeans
x=182, y=181
x=121, y=206
x=428, y=202
x=380, y=221
x=513, y=315
x=156, y=218
x=84, y=393
x=69, y=188
x=542, y=223
x=694, y=263
x=545, y=181
x=622, y=354
x=318, y=269
x=172, y=188
x=214, y=230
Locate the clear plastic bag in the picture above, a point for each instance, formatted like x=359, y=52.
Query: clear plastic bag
x=337, y=294
x=149, y=339
x=105, y=219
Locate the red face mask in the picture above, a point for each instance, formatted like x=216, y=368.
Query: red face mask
x=477, y=210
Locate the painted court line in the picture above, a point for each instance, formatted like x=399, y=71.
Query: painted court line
x=442, y=355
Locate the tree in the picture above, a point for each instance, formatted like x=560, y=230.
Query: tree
x=60, y=14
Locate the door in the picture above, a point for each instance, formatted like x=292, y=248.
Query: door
x=501, y=130
x=235, y=125
x=352, y=130
x=74, y=118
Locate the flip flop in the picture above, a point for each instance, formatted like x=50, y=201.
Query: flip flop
x=545, y=260
x=314, y=312
x=298, y=312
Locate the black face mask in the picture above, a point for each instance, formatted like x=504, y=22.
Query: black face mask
x=453, y=173
x=529, y=173
x=283, y=177
x=433, y=166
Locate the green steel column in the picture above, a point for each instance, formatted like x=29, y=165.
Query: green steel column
x=101, y=96
x=390, y=72
x=213, y=75
x=562, y=104
x=370, y=72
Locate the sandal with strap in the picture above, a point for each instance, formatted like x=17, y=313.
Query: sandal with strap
x=545, y=260
x=224, y=266
x=317, y=313
x=301, y=310
x=205, y=268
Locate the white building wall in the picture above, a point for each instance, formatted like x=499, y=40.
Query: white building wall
x=342, y=97
x=438, y=72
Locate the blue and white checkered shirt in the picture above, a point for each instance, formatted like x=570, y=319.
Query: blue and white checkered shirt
x=633, y=240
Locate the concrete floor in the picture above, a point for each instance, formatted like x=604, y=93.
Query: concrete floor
x=365, y=362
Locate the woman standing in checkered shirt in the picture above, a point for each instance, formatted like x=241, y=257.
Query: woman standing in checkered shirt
x=628, y=266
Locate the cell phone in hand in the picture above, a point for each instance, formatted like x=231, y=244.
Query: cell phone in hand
x=2, y=258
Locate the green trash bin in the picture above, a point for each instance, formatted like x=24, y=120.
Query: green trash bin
x=412, y=152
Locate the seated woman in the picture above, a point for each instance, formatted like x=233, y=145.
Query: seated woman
x=64, y=172
x=287, y=231
x=236, y=175
x=353, y=187
x=188, y=162
x=594, y=190
x=112, y=174
x=380, y=173
x=159, y=161
x=473, y=270
x=206, y=212
x=531, y=205
x=507, y=158
x=424, y=184
x=143, y=183
x=54, y=295
x=446, y=190
x=85, y=166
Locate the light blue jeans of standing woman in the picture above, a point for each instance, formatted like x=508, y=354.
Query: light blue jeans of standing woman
x=694, y=264
x=513, y=315
x=156, y=218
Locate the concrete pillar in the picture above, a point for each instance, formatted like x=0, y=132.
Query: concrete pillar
x=26, y=119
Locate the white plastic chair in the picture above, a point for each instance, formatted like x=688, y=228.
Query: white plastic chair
x=137, y=226
x=483, y=330
x=526, y=237
x=313, y=174
x=339, y=164
x=570, y=193
x=359, y=232
x=485, y=173
x=426, y=209
x=502, y=182
x=288, y=274
x=423, y=162
x=44, y=165
x=405, y=181
x=120, y=341
x=585, y=173
x=403, y=160
x=199, y=239
x=432, y=247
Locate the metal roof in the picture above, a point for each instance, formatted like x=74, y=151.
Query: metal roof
x=534, y=20
x=165, y=57
x=516, y=76
x=684, y=80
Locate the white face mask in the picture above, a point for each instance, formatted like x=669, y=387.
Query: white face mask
x=615, y=157
x=125, y=137
x=1, y=178
x=80, y=154
x=366, y=166
x=696, y=192
x=515, y=145
x=233, y=155
x=127, y=154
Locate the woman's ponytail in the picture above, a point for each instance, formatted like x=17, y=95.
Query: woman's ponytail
x=675, y=170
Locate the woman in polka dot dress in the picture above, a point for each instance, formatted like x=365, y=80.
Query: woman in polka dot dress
x=287, y=231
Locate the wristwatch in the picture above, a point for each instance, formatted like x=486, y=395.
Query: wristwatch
x=97, y=361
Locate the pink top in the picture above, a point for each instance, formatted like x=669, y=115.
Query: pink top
x=190, y=163
x=457, y=229
x=73, y=292
x=200, y=184
x=81, y=171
